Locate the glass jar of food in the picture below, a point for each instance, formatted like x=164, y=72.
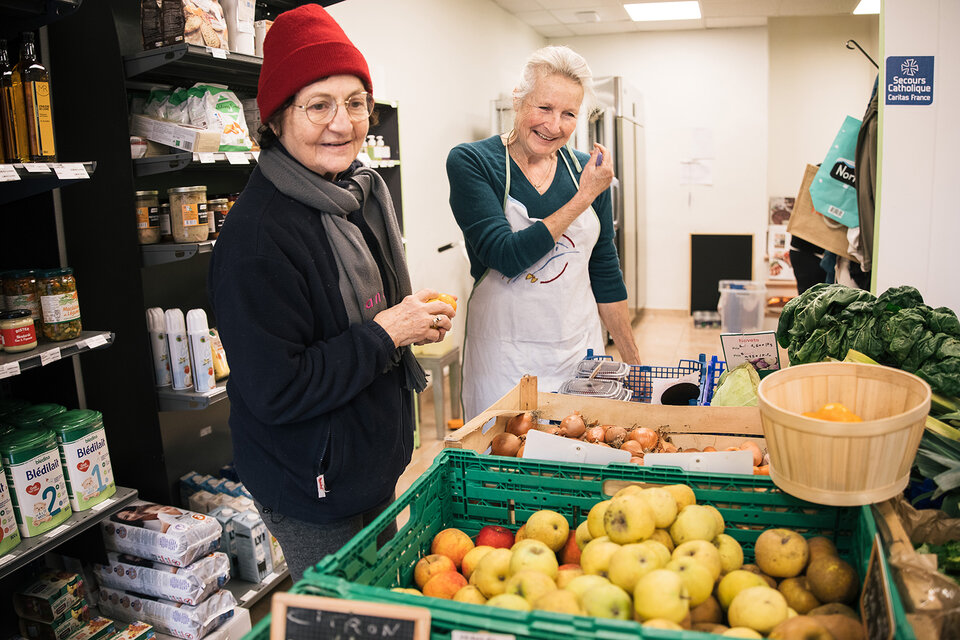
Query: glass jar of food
x=188, y=214
x=20, y=292
x=148, y=217
x=217, y=211
x=18, y=330
x=59, y=304
x=166, y=232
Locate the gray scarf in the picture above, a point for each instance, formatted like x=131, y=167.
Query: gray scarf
x=362, y=288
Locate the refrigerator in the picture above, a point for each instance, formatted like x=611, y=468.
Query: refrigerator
x=617, y=123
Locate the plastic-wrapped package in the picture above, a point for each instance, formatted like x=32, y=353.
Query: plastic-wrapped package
x=156, y=104
x=190, y=585
x=213, y=106
x=166, y=534
x=174, y=618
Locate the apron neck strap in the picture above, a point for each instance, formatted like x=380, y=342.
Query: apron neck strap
x=506, y=158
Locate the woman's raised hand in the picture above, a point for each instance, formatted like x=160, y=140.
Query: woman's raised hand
x=418, y=319
x=596, y=179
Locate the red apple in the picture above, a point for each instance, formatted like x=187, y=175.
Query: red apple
x=495, y=536
x=570, y=552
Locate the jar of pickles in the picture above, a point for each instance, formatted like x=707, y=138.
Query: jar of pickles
x=217, y=210
x=148, y=217
x=188, y=213
x=59, y=304
x=20, y=292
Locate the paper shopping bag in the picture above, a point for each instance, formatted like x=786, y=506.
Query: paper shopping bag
x=806, y=223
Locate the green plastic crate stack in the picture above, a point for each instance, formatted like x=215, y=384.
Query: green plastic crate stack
x=467, y=490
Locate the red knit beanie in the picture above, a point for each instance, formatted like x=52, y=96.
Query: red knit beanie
x=304, y=45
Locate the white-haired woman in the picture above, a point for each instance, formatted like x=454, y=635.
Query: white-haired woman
x=538, y=226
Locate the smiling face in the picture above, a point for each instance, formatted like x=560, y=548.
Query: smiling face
x=547, y=116
x=326, y=149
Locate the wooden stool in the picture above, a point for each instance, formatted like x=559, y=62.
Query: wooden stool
x=435, y=363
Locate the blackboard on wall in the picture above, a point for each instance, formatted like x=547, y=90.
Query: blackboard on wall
x=714, y=258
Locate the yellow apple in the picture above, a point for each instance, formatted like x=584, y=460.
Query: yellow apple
x=595, y=519
x=694, y=522
x=581, y=584
x=663, y=537
x=568, y=572
x=798, y=594
x=741, y=632
x=735, y=582
x=682, y=494
x=630, y=562
x=703, y=552
x=429, y=566
x=781, y=553
x=662, y=504
x=663, y=553
x=472, y=558
x=595, y=558
x=630, y=488
x=536, y=556
x=606, y=601
x=559, y=601
x=661, y=594
x=491, y=573
x=471, y=594
x=582, y=534
x=721, y=525
x=660, y=623
x=757, y=608
x=412, y=592
x=549, y=527
x=529, y=584
x=697, y=578
x=628, y=519
x=444, y=585
x=509, y=601
x=731, y=553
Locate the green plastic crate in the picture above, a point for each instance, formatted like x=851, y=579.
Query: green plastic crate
x=466, y=490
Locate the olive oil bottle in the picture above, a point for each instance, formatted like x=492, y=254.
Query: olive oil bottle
x=12, y=115
x=36, y=98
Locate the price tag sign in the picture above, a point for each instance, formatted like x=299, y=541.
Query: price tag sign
x=97, y=341
x=102, y=505
x=218, y=52
x=301, y=617
x=50, y=356
x=248, y=595
x=8, y=173
x=480, y=635
x=59, y=530
x=9, y=370
x=759, y=349
x=7, y=558
x=206, y=158
x=36, y=167
x=237, y=157
x=70, y=171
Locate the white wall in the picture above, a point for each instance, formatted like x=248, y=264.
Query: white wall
x=443, y=62
x=713, y=79
x=918, y=222
x=815, y=81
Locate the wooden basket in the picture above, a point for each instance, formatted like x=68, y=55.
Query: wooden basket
x=843, y=463
x=690, y=426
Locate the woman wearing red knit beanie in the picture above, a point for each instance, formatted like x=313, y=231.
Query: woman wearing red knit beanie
x=313, y=301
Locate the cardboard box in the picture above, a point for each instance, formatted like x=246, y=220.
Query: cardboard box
x=690, y=426
x=179, y=136
x=49, y=596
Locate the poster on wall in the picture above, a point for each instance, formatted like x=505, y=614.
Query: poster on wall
x=778, y=253
x=780, y=209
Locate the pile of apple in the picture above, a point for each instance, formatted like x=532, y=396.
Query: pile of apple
x=635, y=439
x=655, y=556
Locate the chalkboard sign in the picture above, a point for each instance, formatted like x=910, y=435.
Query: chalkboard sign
x=300, y=617
x=876, y=606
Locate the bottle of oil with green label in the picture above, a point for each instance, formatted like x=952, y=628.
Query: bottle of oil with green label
x=36, y=98
x=12, y=116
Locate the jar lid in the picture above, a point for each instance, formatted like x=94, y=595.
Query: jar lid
x=33, y=416
x=14, y=314
x=16, y=274
x=197, y=189
x=165, y=205
x=23, y=444
x=74, y=420
x=145, y=193
x=218, y=201
x=53, y=273
x=12, y=405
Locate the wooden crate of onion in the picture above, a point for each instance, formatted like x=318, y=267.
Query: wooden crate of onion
x=637, y=427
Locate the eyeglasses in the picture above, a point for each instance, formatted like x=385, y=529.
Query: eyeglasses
x=323, y=109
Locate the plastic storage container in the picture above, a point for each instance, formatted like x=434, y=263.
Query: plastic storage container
x=742, y=305
x=84, y=456
x=595, y=388
x=31, y=461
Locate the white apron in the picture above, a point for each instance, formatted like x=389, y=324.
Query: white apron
x=541, y=322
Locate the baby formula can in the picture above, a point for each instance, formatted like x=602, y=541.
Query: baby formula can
x=9, y=533
x=38, y=489
x=84, y=456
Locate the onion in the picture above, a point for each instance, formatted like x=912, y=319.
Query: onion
x=595, y=434
x=667, y=447
x=633, y=447
x=691, y=450
x=573, y=425
x=646, y=437
x=708, y=449
x=750, y=445
x=636, y=460
x=505, y=444
x=615, y=433
x=520, y=450
x=552, y=429
x=520, y=424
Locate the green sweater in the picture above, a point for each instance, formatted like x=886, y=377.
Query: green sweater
x=477, y=181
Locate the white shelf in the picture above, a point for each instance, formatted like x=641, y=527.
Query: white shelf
x=248, y=593
x=189, y=400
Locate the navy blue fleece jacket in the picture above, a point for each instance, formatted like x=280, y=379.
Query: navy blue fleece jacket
x=310, y=394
